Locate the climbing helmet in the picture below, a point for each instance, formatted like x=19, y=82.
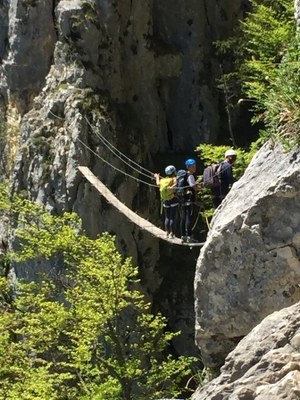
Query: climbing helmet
x=190, y=162
x=170, y=169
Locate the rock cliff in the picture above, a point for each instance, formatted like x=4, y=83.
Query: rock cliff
x=264, y=365
x=80, y=78
x=250, y=264
x=155, y=61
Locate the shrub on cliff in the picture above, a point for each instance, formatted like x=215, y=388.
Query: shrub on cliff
x=264, y=59
x=81, y=329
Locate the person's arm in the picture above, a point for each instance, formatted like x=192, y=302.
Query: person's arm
x=193, y=183
x=157, y=178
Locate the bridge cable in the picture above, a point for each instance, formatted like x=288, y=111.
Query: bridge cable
x=115, y=168
x=107, y=162
x=119, y=154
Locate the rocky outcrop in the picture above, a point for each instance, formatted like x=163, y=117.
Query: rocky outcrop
x=154, y=59
x=82, y=77
x=265, y=365
x=250, y=264
x=91, y=75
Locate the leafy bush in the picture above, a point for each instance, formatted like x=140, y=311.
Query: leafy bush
x=282, y=101
x=259, y=43
x=265, y=57
x=267, y=32
x=83, y=331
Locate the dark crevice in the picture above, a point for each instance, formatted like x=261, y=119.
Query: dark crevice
x=170, y=136
x=206, y=13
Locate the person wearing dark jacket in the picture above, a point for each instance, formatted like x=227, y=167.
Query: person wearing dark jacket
x=225, y=177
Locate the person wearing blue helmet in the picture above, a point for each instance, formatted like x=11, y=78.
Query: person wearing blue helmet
x=169, y=200
x=191, y=187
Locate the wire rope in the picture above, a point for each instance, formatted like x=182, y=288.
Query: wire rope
x=107, y=162
x=115, y=168
x=121, y=155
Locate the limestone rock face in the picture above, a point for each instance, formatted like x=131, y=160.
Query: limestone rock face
x=94, y=74
x=77, y=73
x=264, y=365
x=154, y=59
x=29, y=37
x=250, y=266
x=79, y=78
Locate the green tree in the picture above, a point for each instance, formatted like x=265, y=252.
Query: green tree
x=83, y=331
x=253, y=62
x=270, y=69
x=267, y=32
x=257, y=47
x=281, y=102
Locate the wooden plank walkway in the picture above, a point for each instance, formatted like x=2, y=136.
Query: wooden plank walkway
x=132, y=216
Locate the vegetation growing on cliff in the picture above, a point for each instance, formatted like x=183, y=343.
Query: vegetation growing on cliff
x=266, y=68
x=210, y=155
x=81, y=329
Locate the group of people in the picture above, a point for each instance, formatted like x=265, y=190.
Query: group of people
x=185, y=183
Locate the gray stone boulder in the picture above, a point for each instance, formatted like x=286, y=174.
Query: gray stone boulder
x=265, y=365
x=249, y=266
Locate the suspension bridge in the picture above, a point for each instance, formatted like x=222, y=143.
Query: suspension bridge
x=142, y=223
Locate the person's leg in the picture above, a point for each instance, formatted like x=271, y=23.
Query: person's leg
x=189, y=213
x=183, y=222
x=167, y=219
x=173, y=213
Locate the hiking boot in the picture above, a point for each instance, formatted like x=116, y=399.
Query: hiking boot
x=172, y=236
x=183, y=239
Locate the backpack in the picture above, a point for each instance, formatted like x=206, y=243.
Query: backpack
x=211, y=176
x=181, y=183
x=166, y=192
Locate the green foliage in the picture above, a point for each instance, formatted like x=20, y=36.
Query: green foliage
x=266, y=60
x=210, y=154
x=85, y=332
x=282, y=101
x=259, y=44
x=267, y=30
x=203, y=376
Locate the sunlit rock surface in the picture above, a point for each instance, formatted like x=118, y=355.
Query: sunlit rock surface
x=265, y=365
x=249, y=266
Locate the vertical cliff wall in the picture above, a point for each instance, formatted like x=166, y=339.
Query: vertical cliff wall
x=154, y=58
x=82, y=77
x=140, y=74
